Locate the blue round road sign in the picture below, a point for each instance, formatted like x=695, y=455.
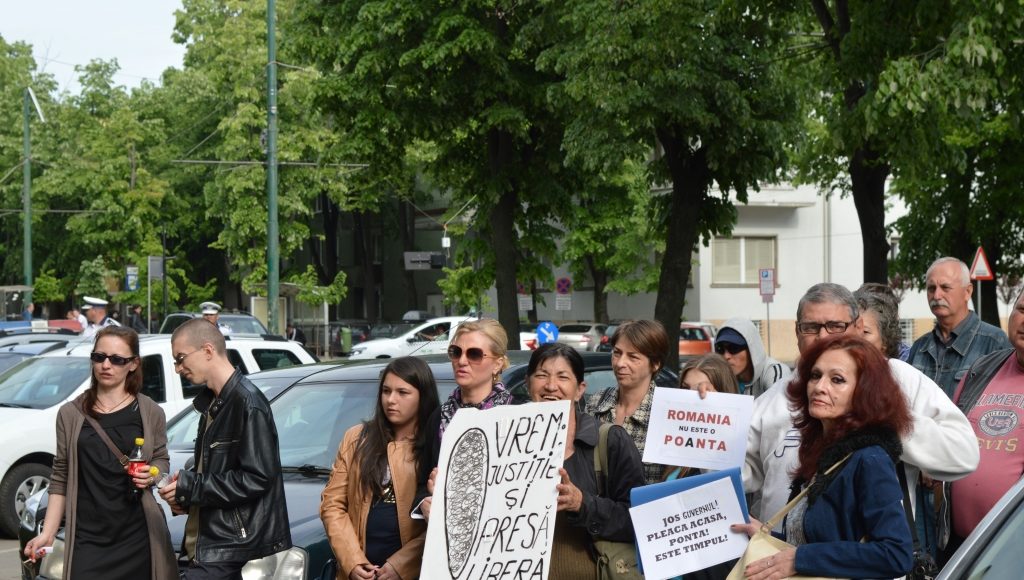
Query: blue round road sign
x=547, y=332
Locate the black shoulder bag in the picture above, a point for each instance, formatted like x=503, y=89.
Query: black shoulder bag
x=925, y=567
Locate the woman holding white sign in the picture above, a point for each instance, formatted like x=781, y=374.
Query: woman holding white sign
x=591, y=506
x=848, y=519
x=366, y=503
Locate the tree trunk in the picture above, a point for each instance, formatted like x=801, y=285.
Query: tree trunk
x=868, y=174
x=503, y=235
x=691, y=179
x=600, y=298
x=364, y=240
x=407, y=231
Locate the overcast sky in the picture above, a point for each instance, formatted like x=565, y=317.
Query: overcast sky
x=64, y=33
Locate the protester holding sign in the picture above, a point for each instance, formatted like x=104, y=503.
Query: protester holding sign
x=478, y=354
x=586, y=510
x=366, y=504
x=850, y=523
x=639, y=348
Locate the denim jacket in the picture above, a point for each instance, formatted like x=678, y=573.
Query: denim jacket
x=947, y=364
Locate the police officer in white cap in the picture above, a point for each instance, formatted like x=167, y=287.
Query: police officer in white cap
x=211, y=312
x=96, y=314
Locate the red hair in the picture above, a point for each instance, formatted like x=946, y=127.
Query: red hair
x=877, y=402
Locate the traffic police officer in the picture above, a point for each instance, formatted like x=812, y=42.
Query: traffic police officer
x=96, y=313
x=211, y=312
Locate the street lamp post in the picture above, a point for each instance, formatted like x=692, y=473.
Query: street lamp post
x=272, y=248
x=26, y=191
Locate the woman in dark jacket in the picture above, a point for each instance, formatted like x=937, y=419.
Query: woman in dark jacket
x=114, y=528
x=555, y=373
x=851, y=523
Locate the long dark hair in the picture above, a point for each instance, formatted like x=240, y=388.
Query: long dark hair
x=132, y=383
x=877, y=402
x=372, y=448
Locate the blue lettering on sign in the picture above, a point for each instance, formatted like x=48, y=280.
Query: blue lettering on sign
x=547, y=332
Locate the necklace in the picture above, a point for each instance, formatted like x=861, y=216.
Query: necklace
x=111, y=409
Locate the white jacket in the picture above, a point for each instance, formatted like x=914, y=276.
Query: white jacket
x=942, y=443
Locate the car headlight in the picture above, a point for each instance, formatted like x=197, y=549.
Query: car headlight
x=287, y=565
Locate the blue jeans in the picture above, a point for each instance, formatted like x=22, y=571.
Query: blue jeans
x=924, y=520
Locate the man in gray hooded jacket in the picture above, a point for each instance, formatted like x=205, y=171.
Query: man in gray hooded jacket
x=739, y=342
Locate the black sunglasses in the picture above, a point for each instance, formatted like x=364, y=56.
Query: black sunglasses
x=473, y=354
x=724, y=347
x=116, y=360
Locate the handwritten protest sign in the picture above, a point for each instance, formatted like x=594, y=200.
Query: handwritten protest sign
x=493, y=512
x=689, y=531
x=708, y=434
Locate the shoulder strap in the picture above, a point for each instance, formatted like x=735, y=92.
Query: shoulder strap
x=768, y=526
x=601, y=456
x=121, y=457
x=901, y=473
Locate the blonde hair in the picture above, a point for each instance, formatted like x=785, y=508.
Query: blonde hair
x=494, y=332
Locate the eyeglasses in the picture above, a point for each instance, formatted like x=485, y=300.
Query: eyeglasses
x=728, y=347
x=116, y=360
x=473, y=354
x=831, y=327
x=180, y=359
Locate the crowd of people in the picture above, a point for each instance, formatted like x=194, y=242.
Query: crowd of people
x=842, y=451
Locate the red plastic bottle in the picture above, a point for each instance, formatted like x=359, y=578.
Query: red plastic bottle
x=136, y=463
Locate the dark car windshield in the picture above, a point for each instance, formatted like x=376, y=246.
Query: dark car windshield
x=311, y=419
x=242, y=324
x=40, y=383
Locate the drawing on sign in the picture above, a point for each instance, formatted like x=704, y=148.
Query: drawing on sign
x=464, y=497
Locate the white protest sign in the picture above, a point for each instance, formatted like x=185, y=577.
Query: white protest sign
x=688, y=431
x=493, y=511
x=689, y=531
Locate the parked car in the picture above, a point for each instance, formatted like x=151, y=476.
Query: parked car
x=13, y=354
x=360, y=332
x=28, y=335
x=32, y=392
x=694, y=341
x=605, y=343
x=527, y=336
x=389, y=329
x=239, y=322
x=584, y=336
x=709, y=328
x=313, y=407
x=992, y=551
x=430, y=337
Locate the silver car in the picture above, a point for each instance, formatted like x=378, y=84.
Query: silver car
x=993, y=550
x=583, y=336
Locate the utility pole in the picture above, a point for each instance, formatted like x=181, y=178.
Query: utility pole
x=26, y=191
x=272, y=248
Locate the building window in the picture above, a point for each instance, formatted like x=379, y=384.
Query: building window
x=737, y=260
x=894, y=247
x=907, y=330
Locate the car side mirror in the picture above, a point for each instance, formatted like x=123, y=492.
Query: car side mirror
x=412, y=339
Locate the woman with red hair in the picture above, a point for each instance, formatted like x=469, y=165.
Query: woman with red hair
x=851, y=522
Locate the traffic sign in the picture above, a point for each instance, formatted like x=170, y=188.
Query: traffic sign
x=131, y=278
x=766, y=278
x=563, y=286
x=547, y=332
x=980, y=268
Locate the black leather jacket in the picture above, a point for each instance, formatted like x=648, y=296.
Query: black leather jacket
x=240, y=492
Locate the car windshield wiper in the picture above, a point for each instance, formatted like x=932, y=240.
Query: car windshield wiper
x=308, y=469
x=15, y=406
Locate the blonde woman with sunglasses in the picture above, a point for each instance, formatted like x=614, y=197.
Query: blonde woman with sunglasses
x=114, y=528
x=478, y=354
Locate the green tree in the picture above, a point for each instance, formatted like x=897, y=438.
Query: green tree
x=697, y=83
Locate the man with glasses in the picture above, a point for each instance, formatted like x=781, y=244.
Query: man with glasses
x=234, y=494
x=941, y=442
x=739, y=342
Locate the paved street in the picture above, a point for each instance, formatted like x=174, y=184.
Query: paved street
x=10, y=562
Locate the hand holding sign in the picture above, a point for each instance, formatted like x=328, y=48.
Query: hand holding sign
x=708, y=432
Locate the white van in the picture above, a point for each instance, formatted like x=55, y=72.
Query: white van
x=33, y=391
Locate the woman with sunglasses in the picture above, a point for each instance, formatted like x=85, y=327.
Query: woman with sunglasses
x=114, y=528
x=639, y=348
x=555, y=373
x=478, y=354
x=739, y=342
x=366, y=504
